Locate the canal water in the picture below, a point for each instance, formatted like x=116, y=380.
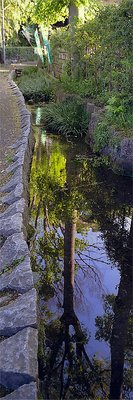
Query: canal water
x=81, y=259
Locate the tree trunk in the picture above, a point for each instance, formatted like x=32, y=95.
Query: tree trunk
x=122, y=309
x=74, y=13
x=69, y=263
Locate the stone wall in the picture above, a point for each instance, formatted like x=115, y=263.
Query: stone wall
x=18, y=313
x=121, y=154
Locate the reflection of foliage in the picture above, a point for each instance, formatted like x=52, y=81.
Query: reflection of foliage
x=104, y=323
x=50, y=248
x=67, y=366
x=61, y=199
x=61, y=190
x=47, y=179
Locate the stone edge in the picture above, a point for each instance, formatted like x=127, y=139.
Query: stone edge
x=120, y=154
x=18, y=189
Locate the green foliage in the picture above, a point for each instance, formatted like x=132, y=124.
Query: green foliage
x=32, y=70
x=119, y=114
x=67, y=118
x=102, y=48
x=16, y=13
x=36, y=85
x=51, y=11
x=102, y=136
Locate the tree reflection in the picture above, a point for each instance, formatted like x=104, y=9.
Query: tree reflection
x=122, y=310
x=62, y=197
x=118, y=241
x=68, y=362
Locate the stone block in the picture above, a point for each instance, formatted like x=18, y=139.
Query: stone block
x=14, y=181
x=17, y=207
x=19, y=142
x=12, y=224
x=13, y=196
x=21, y=151
x=18, y=359
x=20, y=279
x=26, y=131
x=19, y=314
x=13, y=249
x=15, y=165
x=25, y=392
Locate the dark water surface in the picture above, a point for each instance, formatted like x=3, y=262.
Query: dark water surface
x=81, y=256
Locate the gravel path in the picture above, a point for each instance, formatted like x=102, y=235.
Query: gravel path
x=9, y=124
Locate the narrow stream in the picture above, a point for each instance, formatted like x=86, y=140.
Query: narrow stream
x=81, y=258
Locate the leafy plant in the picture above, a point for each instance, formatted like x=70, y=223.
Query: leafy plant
x=36, y=85
x=102, y=136
x=67, y=118
x=103, y=71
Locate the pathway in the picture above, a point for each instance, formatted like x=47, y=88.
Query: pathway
x=9, y=123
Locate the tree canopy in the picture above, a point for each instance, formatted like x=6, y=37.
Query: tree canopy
x=52, y=11
x=16, y=13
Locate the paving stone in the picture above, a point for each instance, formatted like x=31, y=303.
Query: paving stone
x=5, y=298
x=19, y=142
x=25, y=132
x=18, y=354
x=20, y=279
x=24, y=117
x=25, y=392
x=19, y=314
x=15, y=165
x=13, y=249
x=13, y=196
x=25, y=112
x=18, y=359
x=25, y=120
x=12, y=224
x=22, y=106
x=17, y=207
x=21, y=151
x=14, y=181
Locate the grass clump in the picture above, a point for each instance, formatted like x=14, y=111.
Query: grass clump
x=68, y=117
x=102, y=136
x=116, y=123
x=36, y=85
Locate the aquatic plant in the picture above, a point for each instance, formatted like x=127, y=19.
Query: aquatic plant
x=67, y=118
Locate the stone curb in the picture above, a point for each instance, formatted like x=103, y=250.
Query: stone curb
x=18, y=349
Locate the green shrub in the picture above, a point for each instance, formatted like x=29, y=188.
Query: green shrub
x=36, y=85
x=103, y=51
x=102, y=136
x=67, y=118
x=119, y=113
x=31, y=70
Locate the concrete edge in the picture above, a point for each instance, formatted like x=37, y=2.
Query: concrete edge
x=16, y=276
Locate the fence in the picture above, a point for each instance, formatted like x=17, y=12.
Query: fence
x=19, y=54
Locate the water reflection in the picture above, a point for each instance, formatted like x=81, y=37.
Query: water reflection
x=80, y=250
